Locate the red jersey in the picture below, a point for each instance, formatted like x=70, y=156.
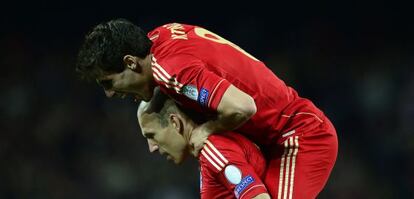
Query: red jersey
x=231, y=166
x=195, y=67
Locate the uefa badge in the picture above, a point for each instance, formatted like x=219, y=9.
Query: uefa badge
x=244, y=183
x=233, y=174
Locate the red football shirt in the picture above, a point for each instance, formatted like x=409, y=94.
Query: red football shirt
x=231, y=166
x=195, y=67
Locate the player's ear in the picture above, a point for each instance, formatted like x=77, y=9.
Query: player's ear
x=131, y=62
x=176, y=122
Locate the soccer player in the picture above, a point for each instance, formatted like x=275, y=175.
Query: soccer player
x=231, y=166
x=205, y=72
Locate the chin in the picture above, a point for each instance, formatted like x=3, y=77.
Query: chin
x=178, y=161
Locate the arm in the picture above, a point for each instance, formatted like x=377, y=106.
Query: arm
x=227, y=168
x=262, y=196
x=189, y=77
x=234, y=109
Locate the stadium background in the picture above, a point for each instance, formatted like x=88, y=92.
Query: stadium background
x=61, y=138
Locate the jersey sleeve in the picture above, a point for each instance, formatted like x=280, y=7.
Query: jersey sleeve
x=188, y=76
x=228, y=168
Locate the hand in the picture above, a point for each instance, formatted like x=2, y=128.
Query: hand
x=198, y=138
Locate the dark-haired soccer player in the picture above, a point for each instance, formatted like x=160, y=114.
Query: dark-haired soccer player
x=231, y=166
x=205, y=72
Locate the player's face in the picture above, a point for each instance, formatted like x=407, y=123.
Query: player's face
x=136, y=82
x=167, y=140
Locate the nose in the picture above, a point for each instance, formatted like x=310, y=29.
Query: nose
x=152, y=146
x=109, y=93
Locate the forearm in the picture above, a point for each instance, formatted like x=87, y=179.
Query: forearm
x=234, y=109
x=226, y=122
x=262, y=196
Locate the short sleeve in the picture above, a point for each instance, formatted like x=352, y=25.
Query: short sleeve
x=229, y=168
x=187, y=76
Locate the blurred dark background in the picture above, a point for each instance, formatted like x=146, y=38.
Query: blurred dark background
x=61, y=138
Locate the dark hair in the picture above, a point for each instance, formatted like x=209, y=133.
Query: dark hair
x=105, y=46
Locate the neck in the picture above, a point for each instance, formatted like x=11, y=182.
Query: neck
x=146, y=62
x=188, y=130
x=189, y=127
x=147, y=66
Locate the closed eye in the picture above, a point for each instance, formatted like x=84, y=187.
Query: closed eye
x=149, y=135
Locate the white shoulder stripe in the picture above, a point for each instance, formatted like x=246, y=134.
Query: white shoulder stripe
x=169, y=80
x=166, y=84
x=215, y=158
x=211, y=161
x=217, y=152
x=154, y=63
x=162, y=79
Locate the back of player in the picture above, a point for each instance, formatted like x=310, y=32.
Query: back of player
x=195, y=67
x=231, y=166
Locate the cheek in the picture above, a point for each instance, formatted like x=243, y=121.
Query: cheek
x=141, y=86
x=118, y=84
x=122, y=81
x=173, y=143
x=164, y=141
x=180, y=145
x=181, y=152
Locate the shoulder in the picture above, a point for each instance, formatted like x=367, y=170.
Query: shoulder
x=170, y=31
x=219, y=151
x=224, y=140
x=177, y=64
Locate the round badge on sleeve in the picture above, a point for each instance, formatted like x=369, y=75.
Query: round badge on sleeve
x=233, y=174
